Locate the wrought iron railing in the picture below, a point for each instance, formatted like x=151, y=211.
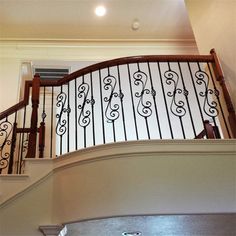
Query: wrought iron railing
x=133, y=98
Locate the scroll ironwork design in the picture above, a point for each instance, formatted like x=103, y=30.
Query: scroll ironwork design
x=23, y=154
x=25, y=144
x=62, y=122
x=144, y=105
x=177, y=103
x=43, y=116
x=112, y=108
x=5, y=133
x=84, y=116
x=209, y=105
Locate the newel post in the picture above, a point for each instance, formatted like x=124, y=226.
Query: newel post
x=34, y=117
x=220, y=77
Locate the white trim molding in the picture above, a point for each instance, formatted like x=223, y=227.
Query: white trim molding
x=27, y=50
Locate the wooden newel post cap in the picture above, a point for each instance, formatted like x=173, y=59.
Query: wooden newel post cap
x=212, y=51
x=36, y=76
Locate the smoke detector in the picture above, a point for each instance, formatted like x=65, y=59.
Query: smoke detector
x=135, y=25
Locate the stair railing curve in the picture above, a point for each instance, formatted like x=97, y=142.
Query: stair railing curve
x=89, y=107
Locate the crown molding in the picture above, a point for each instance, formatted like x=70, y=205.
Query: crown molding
x=191, y=40
x=59, y=43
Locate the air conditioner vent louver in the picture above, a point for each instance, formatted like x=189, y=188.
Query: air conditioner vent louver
x=51, y=73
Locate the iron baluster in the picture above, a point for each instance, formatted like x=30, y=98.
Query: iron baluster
x=153, y=92
x=177, y=106
x=13, y=146
x=42, y=128
x=92, y=108
x=23, y=145
x=132, y=101
x=68, y=117
x=44, y=115
x=197, y=98
x=144, y=105
x=209, y=107
x=84, y=116
x=61, y=122
x=112, y=109
x=5, y=133
x=24, y=149
x=101, y=102
x=165, y=101
x=76, y=117
x=121, y=96
x=52, y=119
x=186, y=93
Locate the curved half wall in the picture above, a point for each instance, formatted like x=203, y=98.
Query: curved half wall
x=145, y=177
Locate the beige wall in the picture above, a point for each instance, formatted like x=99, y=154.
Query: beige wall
x=14, y=53
x=150, y=184
x=9, y=82
x=22, y=217
x=214, y=26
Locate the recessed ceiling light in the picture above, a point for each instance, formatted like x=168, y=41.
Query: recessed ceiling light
x=100, y=10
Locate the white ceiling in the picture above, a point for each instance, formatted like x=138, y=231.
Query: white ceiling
x=75, y=19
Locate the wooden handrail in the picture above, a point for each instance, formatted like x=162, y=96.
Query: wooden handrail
x=208, y=131
x=201, y=135
x=128, y=60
